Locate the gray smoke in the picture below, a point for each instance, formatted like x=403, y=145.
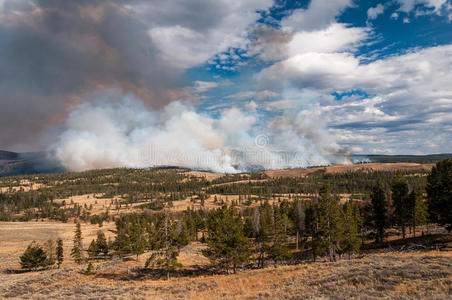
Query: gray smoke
x=54, y=53
x=101, y=134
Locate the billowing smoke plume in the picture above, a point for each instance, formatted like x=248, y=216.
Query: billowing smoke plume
x=128, y=134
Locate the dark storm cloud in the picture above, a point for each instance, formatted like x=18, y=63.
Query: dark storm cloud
x=53, y=52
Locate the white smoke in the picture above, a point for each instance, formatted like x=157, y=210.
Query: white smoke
x=125, y=133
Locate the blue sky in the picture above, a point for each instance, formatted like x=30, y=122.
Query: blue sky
x=390, y=38
x=371, y=76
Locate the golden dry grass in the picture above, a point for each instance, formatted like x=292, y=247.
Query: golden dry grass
x=15, y=237
x=300, y=172
x=209, y=176
x=416, y=275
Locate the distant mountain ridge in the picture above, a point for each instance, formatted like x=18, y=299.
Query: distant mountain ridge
x=7, y=155
x=420, y=159
x=12, y=163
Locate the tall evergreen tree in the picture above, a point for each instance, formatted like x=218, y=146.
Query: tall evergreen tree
x=297, y=216
x=76, y=251
x=59, y=252
x=419, y=212
x=351, y=220
x=439, y=193
x=330, y=222
x=227, y=246
x=278, y=248
x=402, y=209
x=312, y=228
x=379, y=210
x=262, y=223
x=101, y=243
x=138, y=239
x=172, y=235
x=92, y=249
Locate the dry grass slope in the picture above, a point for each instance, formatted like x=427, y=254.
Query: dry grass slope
x=427, y=276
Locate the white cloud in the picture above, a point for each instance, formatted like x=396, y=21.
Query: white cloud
x=319, y=15
x=374, y=12
x=336, y=37
x=342, y=71
x=410, y=93
x=409, y=5
x=189, y=32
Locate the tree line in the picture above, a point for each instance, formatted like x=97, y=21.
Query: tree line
x=276, y=233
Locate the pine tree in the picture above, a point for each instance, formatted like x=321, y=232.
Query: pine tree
x=76, y=251
x=330, y=222
x=351, y=220
x=298, y=218
x=399, y=189
x=89, y=269
x=278, y=248
x=59, y=252
x=171, y=236
x=262, y=220
x=92, y=249
x=33, y=257
x=101, y=243
x=379, y=210
x=227, y=246
x=138, y=240
x=419, y=212
x=439, y=193
x=122, y=243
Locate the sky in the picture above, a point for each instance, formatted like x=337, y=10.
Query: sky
x=373, y=76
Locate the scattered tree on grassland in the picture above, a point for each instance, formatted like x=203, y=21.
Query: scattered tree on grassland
x=278, y=247
x=76, y=251
x=171, y=236
x=59, y=252
x=89, y=269
x=227, y=246
x=351, y=241
x=101, y=243
x=330, y=222
x=92, y=249
x=34, y=257
x=132, y=234
x=138, y=239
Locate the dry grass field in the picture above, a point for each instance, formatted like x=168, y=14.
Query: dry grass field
x=299, y=172
x=377, y=274
x=15, y=237
x=427, y=276
x=391, y=275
